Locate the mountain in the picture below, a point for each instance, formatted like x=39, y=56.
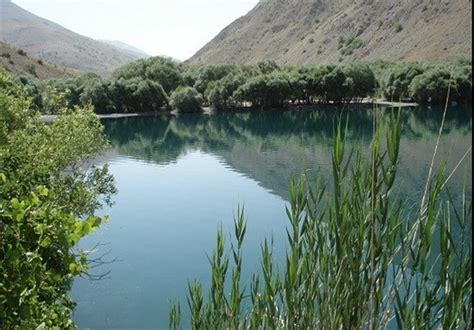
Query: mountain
x=19, y=63
x=328, y=31
x=126, y=48
x=47, y=40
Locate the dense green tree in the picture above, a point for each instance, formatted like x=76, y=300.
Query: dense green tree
x=431, y=86
x=211, y=73
x=335, y=85
x=164, y=71
x=97, y=93
x=362, y=81
x=395, y=84
x=186, y=99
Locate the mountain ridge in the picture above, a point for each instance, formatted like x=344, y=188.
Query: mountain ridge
x=295, y=32
x=127, y=48
x=48, y=40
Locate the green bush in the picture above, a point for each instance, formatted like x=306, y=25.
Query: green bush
x=398, y=27
x=186, y=99
x=44, y=209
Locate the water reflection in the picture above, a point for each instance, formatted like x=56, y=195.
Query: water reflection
x=179, y=178
x=271, y=146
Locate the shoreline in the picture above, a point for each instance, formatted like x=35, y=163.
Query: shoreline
x=208, y=110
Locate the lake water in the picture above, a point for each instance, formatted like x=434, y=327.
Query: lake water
x=180, y=178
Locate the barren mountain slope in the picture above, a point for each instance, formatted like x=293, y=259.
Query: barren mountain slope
x=17, y=62
x=47, y=40
x=126, y=48
x=311, y=31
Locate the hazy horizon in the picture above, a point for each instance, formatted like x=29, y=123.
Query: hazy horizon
x=162, y=27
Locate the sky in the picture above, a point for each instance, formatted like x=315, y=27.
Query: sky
x=176, y=28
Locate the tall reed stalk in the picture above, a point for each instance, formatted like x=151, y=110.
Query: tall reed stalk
x=353, y=260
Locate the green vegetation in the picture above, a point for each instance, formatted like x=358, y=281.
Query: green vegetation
x=427, y=83
x=147, y=85
x=354, y=258
x=47, y=205
x=348, y=45
x=186, y=99
x=398, y=27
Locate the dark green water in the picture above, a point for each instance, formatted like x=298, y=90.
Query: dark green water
x=180, y=178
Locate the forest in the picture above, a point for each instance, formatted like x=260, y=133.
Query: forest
x=162, y=84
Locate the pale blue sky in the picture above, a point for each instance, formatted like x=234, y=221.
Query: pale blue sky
x=176, y=28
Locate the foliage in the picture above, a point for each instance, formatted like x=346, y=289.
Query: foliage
x=347, y=46
x=47, y=205
x=186, y=99
x=432, y=86
x=162, y=70
x=145, y=85
x=397, y=79
x=354, y=258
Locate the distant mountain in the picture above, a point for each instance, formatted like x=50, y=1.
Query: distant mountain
x=47, y=40
x=325, y=31
x=126, y=48
x=19, y=63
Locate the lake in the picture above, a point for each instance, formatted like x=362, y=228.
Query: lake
x=181, y=177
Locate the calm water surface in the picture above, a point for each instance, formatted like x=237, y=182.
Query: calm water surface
x=180, y=178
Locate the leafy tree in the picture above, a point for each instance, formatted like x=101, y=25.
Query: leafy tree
x=162, y=70
x=335, y=84
x=186, y=99
x=362, y=81
x=97, y=93
x=205, y=75
x=45, y=210
x=395, y=84
x=431, y=86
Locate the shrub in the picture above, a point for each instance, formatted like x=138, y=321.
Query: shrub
x=186, y=99
x=398, y=27
x=350, y=45
x=6, y=55
x=47, y=205
x=31, y=69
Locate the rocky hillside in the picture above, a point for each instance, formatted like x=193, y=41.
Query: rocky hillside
x=50, y=41
x=126, y=48
x=328, y=31
x=19, y=63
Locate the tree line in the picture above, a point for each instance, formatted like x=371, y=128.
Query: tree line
x=160, y=83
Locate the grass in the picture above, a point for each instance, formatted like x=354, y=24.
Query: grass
x=354, y=258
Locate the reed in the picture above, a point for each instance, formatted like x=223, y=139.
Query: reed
x=356, y=259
